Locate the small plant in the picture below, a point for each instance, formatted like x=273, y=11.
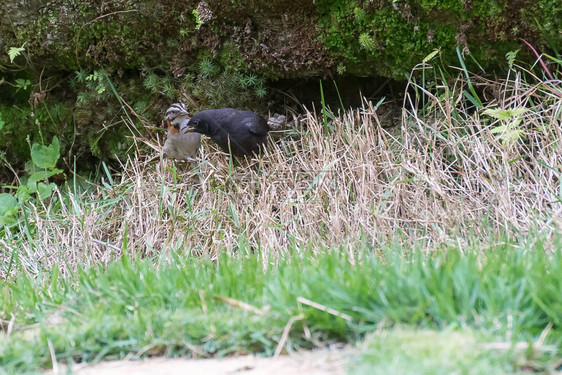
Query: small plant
x=367, y=42
x=207, y=68
x=341, y=68
x=156, y=84
x=14, y=52
x=261, y=92
x=8, y=209
x=509, y=131
x=510, y=57
x=96, y=81
x=94, y=86
x=248, y=80
x=22, y=84
x=198, y=21
x=41, y=167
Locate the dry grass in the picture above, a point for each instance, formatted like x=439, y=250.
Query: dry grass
x=441, y=178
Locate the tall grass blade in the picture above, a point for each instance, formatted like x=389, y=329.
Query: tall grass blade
x=473, y=96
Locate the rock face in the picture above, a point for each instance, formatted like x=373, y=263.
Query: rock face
x=276, y=39
x=279, y=38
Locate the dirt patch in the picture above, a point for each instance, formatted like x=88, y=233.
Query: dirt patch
x=328, y=361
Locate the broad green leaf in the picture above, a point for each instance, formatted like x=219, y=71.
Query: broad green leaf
x=515, y=112
x=509, y=132
x=31, y=186
x=7, y=221
x=499, y=129
x=45, y=190
x=46, y=156
x=8, y=204
x=43, y=175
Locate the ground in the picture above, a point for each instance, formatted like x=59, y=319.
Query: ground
x=327, y=361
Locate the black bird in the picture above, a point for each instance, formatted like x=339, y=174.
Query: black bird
x=235, y=131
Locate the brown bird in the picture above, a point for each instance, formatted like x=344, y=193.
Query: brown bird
x=237, y=132
x=179, y=144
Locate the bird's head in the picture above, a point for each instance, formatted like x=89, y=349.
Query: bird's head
x=177, y=118
x=201, y=124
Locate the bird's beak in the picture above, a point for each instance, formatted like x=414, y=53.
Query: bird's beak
x=189, y=129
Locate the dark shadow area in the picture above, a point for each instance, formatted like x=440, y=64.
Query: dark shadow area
x=344, y=90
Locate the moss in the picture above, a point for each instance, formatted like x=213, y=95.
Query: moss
x=231, y=58
x=389, y=39
x=87, y=34
x=546, y=17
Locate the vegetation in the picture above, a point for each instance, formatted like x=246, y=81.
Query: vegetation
x=445, y=229
x=424, y=351
x=389, y=38
x=175, y=305
x=456, y=169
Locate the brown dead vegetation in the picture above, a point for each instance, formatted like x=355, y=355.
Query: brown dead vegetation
x=445, y=178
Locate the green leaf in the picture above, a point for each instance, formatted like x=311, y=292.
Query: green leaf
x=556, y=60
x=505, y=114
x=22, y=83
x=14, y=52
x=43, y=175
x=430, y=56
x=8, y=204
x=46, y=156
x=508, y=132
x=496, y=113
x=510, y=57
x=45, y=190
x=515, y=112
x=473, y=99
x=499, y=129
x=7, y=221
x=31, y=186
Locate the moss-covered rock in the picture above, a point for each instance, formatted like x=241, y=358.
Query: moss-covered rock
x=389, y=38
x=277, y=39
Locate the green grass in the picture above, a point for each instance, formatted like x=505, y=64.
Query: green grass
x=409, y=351
x=175, y=305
